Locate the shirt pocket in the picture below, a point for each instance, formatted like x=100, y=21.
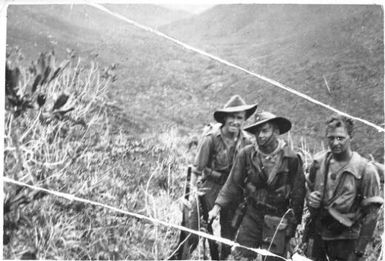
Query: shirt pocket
x=345, y=193
x=282, y=187
x=221, y=160
x=281, y=178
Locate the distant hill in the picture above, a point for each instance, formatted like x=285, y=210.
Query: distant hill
x=133, y=154
x=151, y=15
x=80, y=27
x=257, y=21
x=161, y=84
x=308, y=47
x=39, y=28
x=300, y=45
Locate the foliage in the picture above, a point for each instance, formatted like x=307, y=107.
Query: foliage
x=341, y=47
x=72, y=145
x=337, y=58
x=79, y=142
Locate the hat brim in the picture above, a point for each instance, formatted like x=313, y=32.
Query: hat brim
x=219, y=115
x=283, y=124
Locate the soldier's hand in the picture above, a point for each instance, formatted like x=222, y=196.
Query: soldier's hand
x=314, y=199
x=354, y=257
x=214, y=212
x=215, y=174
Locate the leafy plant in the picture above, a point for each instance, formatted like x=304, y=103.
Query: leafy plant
x=71, y=138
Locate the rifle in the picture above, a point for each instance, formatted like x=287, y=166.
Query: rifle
x=182, y=251
x=239, y=214
x=311, y=238
x=208, y=223
x=242, y=204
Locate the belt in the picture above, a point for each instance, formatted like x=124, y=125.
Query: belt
x=264, y=207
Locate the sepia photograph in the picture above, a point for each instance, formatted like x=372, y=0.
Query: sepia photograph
x=165, y=130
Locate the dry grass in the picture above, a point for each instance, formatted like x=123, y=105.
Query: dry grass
x=81, y=153
x=91, y=152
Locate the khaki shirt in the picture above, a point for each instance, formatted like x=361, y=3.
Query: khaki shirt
x=355, y=186
x=289, y=175
x=213, y=153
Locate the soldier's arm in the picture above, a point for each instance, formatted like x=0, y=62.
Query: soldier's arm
x=368, y=225
x=202, y=158
x=299, y=191
x=313, y=198
x=371, y=203
x=234, y=183
x=310, y=179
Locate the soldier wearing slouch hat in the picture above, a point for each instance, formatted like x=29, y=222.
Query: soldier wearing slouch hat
x=270, y=176
x=212, y=165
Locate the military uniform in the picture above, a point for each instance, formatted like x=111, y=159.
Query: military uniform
x=212, y=164
x=345, y=195
x=215, y=155
x=272, y=186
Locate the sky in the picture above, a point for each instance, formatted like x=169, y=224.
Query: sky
x=191, y=8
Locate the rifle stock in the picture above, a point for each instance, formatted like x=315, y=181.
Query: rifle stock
x=310, y=235
x=212, y=244
x=187, y=184
x=181, y=252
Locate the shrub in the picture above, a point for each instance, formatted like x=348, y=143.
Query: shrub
x=63, y=133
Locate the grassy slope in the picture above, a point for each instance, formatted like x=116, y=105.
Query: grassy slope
x=104, y=163
x=152, y=69
x=67, y=230
x=81, y=27
x=147, y=14
x=341, y=43
x=160, y=85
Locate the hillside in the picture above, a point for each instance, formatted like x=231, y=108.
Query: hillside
x=298, y=45
x=304, y=47
x=80, y=27
x=341, y=45
x=115, y=123
x=151, y=15
x=257, y=21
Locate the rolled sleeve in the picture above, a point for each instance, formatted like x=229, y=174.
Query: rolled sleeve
x=232, y=189
x=370, y=187
x=202, y=158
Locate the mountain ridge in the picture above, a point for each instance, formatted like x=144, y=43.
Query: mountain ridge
x=348, y=58
x=338, y=34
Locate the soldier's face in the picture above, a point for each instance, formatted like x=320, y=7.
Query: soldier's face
x=234, y=121
x=338, y=140
x=266, y=134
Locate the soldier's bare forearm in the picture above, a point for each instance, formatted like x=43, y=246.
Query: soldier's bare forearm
x=367, y=229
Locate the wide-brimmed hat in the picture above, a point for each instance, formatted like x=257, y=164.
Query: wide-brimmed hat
x=235, y=104
x=283, y=124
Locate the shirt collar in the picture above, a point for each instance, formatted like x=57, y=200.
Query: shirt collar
x=242, y=133
x=287, y=151
x=355, y=165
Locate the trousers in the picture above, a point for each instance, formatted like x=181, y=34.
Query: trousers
x=250, y=235
x=334, y=250
x=200, y=209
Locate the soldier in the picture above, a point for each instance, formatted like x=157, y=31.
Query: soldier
x=343, y=199
x=270, y=176
x=212, y=165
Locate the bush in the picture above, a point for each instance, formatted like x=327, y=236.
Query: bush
x=63, y=133
x=60, y=133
